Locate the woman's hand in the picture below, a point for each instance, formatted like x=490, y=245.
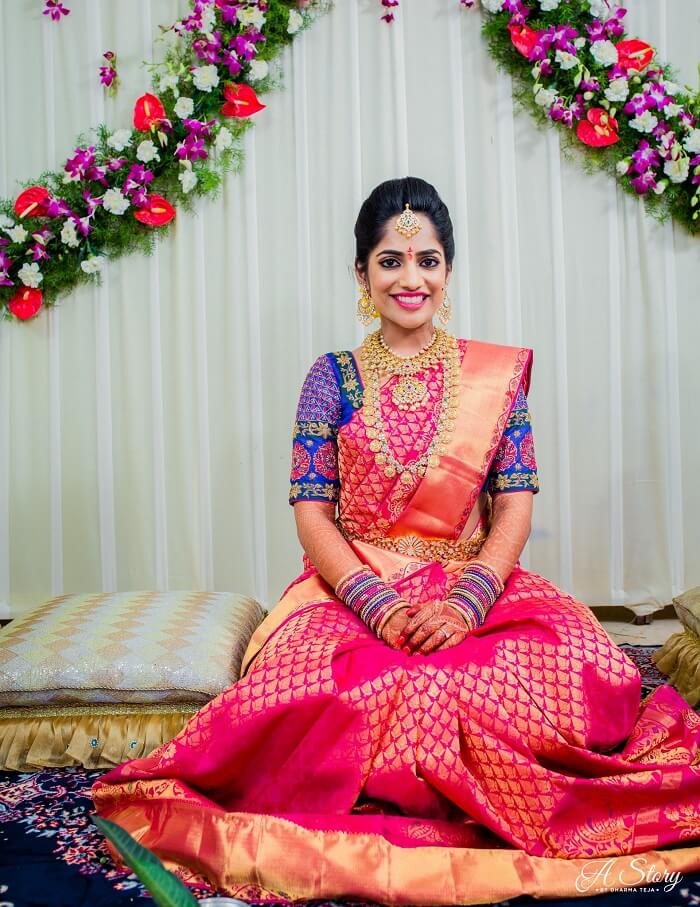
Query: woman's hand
x=431, y=627
x=395, y=626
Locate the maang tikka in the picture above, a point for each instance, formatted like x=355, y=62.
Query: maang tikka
x=407, y=223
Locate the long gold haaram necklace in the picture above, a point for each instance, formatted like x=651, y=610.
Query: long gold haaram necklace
x=408, y=393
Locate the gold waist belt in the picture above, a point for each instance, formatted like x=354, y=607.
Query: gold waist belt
x=422, y=549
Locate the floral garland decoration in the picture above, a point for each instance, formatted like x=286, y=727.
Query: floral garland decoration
x=573, y=64
x=118, y=186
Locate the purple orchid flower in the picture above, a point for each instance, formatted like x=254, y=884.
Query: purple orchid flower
x=82, y=159
x=39, y=253
x=57, y=207
x=231, y=61
x=5, y=265
x=229, y=10
x=198, y=129
x=91, y=202
x=137, y=179
x=687, y=119
x=243, y=47
x=695, y=170
x=590, y=85
x=644, y=182
x=638, y=104
x=191, y=149
x=116, y=163
x=55, y=9
x=644, y=157
x=657, y=96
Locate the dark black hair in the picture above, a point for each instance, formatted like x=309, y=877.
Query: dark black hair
x=389, y=199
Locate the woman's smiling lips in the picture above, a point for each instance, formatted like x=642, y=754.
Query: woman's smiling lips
x=409, y=300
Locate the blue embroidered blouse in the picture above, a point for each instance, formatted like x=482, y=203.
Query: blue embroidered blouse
x=327, y=401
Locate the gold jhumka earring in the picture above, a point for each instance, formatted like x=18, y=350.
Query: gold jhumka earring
x=444, y=311
x=366, y=311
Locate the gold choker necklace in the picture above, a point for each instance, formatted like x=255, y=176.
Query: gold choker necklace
x=377, y=358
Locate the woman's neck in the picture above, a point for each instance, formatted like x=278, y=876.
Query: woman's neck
x=406, y=341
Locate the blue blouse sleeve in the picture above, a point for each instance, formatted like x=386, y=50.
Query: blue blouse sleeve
x=314, y=474
x=514, y=467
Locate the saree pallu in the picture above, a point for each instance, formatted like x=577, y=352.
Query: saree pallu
x=520, y=761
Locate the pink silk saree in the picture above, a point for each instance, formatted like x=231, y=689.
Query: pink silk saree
x=518, y=762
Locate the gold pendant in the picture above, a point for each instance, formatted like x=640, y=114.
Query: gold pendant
x=409, y=391
x=406, y=477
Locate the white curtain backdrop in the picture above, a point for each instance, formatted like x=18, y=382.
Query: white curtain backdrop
x=145, y=426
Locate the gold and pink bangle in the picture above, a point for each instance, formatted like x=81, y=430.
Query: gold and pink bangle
x=475, y=592
x=368, y=596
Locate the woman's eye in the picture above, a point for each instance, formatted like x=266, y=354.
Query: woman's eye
x=386, y=261
x=431, y=262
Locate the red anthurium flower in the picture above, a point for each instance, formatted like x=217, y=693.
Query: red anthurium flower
x=148, y=112
x=26, y=303
x=598, y=129
x=634, y=55
x=33, y=202
x=523, y=38
x=156, y=212
x=241, y=101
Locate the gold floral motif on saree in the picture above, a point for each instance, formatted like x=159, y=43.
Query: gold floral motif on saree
x=348, y=375
x=423, y=549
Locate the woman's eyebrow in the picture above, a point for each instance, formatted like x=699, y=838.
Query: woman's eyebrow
x=396, y=252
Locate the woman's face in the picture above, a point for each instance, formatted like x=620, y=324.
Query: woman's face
x=406, y=277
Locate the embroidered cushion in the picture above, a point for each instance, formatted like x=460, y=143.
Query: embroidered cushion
x=126, y=647
x=96, y=679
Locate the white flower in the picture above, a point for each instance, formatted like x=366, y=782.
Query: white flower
x=548, y=5
x=545, y=97
x=600, y=9
x=208, y=19
x=5, y=222
x=580, y=42
x=184, y=107
x=671, y=88
x=493, y=6
x=30, y=275
x=604, y=52
x=120, y=139
x=660, y=187
x=169, y=82
x=205, y=77
x=147, y=152
x=258, y=70
x=114, y=202
x=188, y=179
x=93, y=264
x=647, y=122
x=68, y=235
x=677, y=169
x=617, y=91
x=623, y=166
x=565, y=59
x=692, y=142
x=672, y=110
x=295, y=20
x=251, y=15
x=17, y=234
x=224, y=139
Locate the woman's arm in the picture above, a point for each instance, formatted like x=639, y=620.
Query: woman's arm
x=322, y=541
x=510, y=528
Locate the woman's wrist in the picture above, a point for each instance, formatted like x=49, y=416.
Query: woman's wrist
x=368, y=596
x=475, y=592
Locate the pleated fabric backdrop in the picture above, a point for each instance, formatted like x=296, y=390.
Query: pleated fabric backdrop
x=145, y=426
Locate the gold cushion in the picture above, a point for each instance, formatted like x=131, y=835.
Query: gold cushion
x=126, y=647
x=679, y=659
x=687, y=608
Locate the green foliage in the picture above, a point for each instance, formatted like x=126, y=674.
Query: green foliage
x=114, y=235
x=167, y=890
x=677, y=200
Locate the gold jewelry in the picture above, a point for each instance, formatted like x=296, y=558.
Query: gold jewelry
x=422, y=549
x=407, y=224
x=444, y=312
x=409, y=392
x=443, y=350
x=366, y=311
